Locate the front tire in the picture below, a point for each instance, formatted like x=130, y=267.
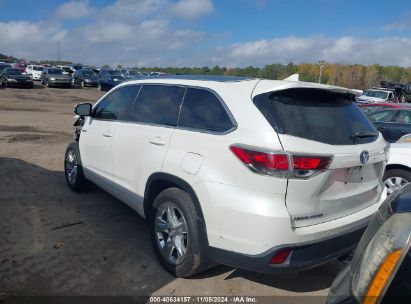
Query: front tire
x=83, y=84
x=73, y=169
x=175, y=233
x=394, y=179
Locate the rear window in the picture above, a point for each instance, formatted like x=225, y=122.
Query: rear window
x=316, y=115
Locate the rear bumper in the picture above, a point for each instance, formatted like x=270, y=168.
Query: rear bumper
x=303, y=256
x=26, y=84
x=59, y=84
x=90, y=84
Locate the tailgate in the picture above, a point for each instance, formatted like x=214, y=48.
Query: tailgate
x=346, y=187
x=337, y=155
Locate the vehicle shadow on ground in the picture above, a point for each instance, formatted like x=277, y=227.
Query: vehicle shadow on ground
x=56, y=242
x=310, y=280
x=38, y=86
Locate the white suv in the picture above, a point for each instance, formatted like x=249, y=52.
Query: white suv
x=34, y=71
x=269, y=176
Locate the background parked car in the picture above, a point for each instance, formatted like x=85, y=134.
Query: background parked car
x=85, y=78
x=66, y=69
x=380, y=268
x=75, y=67
x=109, y=79
x=398, y=170
x=370, y=108
x=14, y=78
x=34, y=71
x=392, y=123
x=377, y=96
x=55, y=77
x=20, y=66
x=5, y=66
x=132, y=74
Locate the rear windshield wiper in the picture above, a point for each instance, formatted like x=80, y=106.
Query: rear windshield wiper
x=362, y=134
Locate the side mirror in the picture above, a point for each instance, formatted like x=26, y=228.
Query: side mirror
x=83, y=109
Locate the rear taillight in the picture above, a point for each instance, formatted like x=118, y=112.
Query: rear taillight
x=278, y=163
x=268, y=163
x=305, y=166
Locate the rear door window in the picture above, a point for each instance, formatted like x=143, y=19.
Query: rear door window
x=157, y=104
x=203, y=111
x=318, y=115
x=116, y=104
x=383, y=115
x=404, y=117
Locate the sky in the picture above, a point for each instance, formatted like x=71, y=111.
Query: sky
x=232, y=33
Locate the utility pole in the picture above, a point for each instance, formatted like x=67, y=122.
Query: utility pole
x=321, y=70
x=58, y=51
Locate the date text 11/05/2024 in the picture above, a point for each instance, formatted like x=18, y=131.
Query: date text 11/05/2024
x=202, y=299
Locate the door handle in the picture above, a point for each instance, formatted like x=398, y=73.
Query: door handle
x=107, y=133
x=158, y=141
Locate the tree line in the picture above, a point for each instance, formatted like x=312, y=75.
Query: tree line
x=354, y=76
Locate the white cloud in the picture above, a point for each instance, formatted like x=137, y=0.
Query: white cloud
x=192, y=9
x=75, y=9
x=385, y=51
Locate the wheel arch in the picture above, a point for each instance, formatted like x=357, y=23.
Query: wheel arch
x=397, y=166
x=160, y=181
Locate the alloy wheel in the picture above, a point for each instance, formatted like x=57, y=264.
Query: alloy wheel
x=394, y=183
x=171, y=233
x=71, y=166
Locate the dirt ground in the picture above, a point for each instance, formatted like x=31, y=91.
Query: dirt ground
x=56, y=242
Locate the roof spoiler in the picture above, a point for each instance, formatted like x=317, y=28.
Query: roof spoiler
x=293, y=77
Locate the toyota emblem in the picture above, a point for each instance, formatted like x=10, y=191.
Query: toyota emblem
x=364, y=157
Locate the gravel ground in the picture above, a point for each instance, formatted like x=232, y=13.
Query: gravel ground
x=56, y=242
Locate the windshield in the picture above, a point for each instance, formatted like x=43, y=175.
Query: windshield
x=316, y=115
x=89, y=73
x=131, y=72
x=55, y=71
x=77, y=67
x=67, y=69
x=118, y=77
x=115, y=73
x=5, y=66
x=13, y=72
x=37, y=68
x=377, y=94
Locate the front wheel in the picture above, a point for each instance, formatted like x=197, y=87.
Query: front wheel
x=73, y=169
x=175, y=233
x=394, y=179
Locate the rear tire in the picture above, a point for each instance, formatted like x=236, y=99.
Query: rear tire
x=73, y=170
x=394, y=179
x=175, y=205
